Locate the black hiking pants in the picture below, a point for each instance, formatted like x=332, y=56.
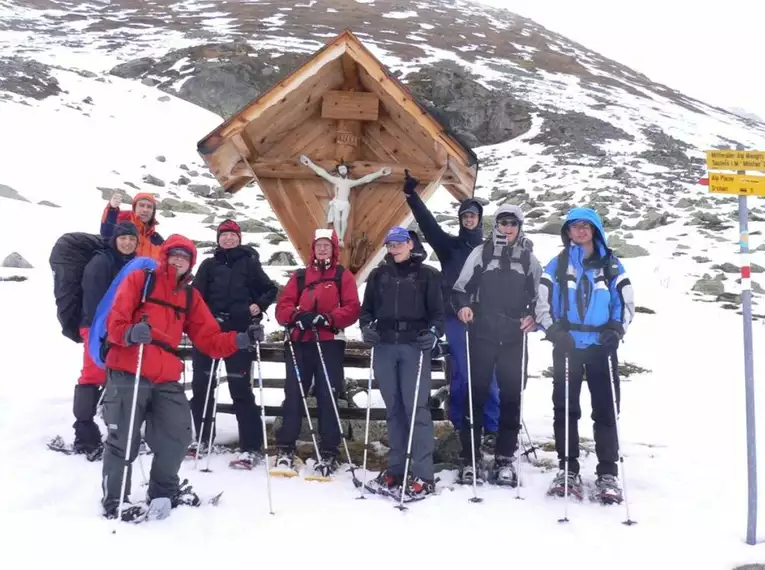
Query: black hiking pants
x=87, y=435
x=165, y=410
x=238, y=370
x=590, y=364
x=486, y=356
x=311, y=372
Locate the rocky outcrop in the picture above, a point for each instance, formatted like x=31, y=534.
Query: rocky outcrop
x=27, y=78
x=576, y=133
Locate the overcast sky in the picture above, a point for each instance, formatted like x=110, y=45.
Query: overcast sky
x=690, y=45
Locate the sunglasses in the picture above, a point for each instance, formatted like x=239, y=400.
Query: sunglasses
x=511, y=223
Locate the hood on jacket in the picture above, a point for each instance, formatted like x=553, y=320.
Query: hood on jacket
x=473, y=237
x=177, y=240
x=516, y=212
x=418, y=250
x=150, y=197
x=330, y=234
x=125, y=228
x=586, y=215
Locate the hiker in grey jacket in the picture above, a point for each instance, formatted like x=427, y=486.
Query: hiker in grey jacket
x=494, y=297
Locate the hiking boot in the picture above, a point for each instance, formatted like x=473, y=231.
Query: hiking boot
x=607, y=490
x=419, y=488
x=327, y=466
x=503, y=471
x=285, y=459
x=247, y=460
x=192, y=450
x=130, y=512
x=388, y=480
x=558, y=486
x=466, y=472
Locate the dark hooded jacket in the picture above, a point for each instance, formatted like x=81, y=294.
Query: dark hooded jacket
x=452, y=251
x=232, y=280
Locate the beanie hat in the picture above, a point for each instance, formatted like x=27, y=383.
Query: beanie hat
x=229, y=226
x=125, y=229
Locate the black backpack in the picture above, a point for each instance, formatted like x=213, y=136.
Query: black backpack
x=337, y=278
x=68, y=258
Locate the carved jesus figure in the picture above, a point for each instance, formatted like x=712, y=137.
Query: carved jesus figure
x=340, y=205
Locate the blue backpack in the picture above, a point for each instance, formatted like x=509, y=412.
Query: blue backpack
x=97, y=333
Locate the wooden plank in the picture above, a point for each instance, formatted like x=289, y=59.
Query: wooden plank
x=390, y=131
x=293, y=143
x=400, y=96
x=350, y=105
x=351, y=73
x=306, y=189
x=290, y=215
x=466, y=177
x=347, y=140
x=370, y=138
x=291, y=168
x=266, y=136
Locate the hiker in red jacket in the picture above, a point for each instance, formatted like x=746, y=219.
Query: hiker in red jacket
x=321, y=296
x=154, y=311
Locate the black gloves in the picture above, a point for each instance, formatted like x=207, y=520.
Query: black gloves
x=410, y=183
x=370, y=335
x=561, y=338
x=256, y=333
x=611, y=335
x=427, y=340
x=242, y=341
x=306, y=321
x=138, y=334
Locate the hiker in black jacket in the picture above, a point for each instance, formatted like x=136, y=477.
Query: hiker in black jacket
x=96, y=279
x=237, y=291
x=402, y=316
x=452, y=251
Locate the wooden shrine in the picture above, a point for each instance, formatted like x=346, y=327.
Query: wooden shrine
x=328, y=146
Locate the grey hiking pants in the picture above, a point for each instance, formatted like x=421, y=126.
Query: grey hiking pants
x=165, y=409
x=395, y=367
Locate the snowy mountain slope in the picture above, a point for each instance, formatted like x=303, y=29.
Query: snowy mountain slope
x=682, y=422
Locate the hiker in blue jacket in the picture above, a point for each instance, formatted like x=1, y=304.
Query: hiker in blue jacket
x=452, y=251
x=585, y=320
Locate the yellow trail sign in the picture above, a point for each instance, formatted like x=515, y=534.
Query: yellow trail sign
x=736, y=160
x=738, y=184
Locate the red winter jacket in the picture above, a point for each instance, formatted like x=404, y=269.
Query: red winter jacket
x=167, y=324
x=324, y=298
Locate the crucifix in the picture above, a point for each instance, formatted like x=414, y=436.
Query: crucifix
x=340, y=205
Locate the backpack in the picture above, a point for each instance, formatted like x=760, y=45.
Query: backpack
x=68, y=258
x=97, y=345
x=487, y=256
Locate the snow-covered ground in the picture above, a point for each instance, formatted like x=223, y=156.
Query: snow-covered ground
x=683, y=423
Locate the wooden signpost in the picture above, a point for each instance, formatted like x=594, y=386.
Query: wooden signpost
x=744, y=186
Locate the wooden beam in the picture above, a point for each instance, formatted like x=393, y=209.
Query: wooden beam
x=291, y=168
x=350, y=105
x=351, y=73
x=347, y=141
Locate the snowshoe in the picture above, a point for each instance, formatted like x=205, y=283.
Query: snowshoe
x=185, y=496
x=607, y=490
x=503, y=472
x=558, y=486
x=246, y=460
x=130, y=512
x=324, y=469
x=384, y=483
x=191, y=453
x=159, y=509
x=466, y=474
x=284, y=466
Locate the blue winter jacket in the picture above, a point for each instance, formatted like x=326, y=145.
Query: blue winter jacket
x=592, y=303
x=452, y=251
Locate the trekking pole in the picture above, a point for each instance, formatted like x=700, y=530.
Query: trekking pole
x=629, y=521
x=366, y=426
x=334, y=404
x=302, y=395
x=263, y=422
x=565, y=440
x=214, y=416
x=128, y=444
x=206, y=414
x=400, y=505
x=475, y=498
x=520, y=418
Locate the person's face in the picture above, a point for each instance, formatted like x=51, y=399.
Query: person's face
x=399, y=250
x=126, y=245
x=182, y=263
x=342, y=170
x=322, y=249
x=580, y=232
x=509, y=227
x=469, y=220
x=144, y=209
x=228, y=240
